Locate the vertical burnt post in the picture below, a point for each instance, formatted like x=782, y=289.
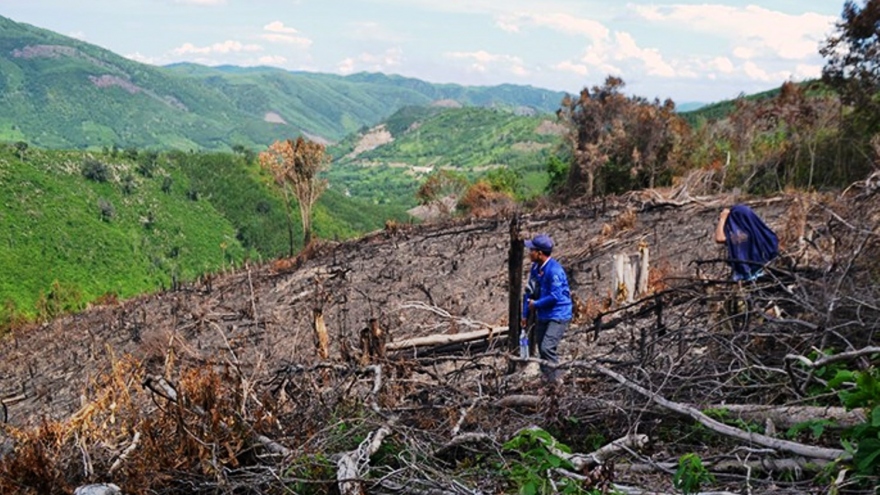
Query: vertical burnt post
x=514, y=272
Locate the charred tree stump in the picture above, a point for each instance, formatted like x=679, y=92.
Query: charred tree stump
x=630, y=276
x=514, y=276
x=321, y=336
x=372, y=342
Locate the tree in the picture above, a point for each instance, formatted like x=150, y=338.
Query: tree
x=442, y=190
x=20, y=148
x=852, y=54
x=295, y=166
x=595, y=121
x=654, y=133
x=619, y=142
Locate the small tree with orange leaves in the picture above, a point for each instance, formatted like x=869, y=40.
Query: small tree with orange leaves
x=295, y=165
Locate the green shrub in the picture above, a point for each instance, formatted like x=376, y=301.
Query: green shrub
x=95, y=171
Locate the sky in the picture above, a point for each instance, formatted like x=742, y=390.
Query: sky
x=690, y=51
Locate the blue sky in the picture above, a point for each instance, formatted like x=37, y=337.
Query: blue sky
x=687, y=50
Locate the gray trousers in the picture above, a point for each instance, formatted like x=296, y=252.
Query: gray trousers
x=548, y=335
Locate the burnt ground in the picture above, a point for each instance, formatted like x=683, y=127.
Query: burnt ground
x=267, y=311
x=416, y=281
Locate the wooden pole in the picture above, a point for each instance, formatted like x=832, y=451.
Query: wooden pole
x=514, y=276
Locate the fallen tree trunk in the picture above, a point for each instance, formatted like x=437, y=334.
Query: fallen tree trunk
x=628, y=490
x=444, y=339
x=718, y=427
x=782, y=416
x=766, y=465
x=788, y=416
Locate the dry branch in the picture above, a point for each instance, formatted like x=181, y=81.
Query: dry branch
x=351, y=465
x=599, y=456
x=125, y=453
x=718, y=427
x=843, y=356
x=518, y=401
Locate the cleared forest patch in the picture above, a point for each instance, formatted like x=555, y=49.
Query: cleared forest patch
x=699, y=384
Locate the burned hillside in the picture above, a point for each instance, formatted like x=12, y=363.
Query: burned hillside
x=229, y=385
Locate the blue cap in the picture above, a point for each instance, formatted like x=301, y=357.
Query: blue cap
x=541, y=242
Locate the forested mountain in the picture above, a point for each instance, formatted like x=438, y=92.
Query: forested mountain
x=59, y=92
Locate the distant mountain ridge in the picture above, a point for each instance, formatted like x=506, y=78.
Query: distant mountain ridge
x=60, y=92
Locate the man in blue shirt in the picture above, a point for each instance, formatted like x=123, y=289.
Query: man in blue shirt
x=548, y=296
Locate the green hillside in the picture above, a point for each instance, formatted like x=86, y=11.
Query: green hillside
x=78, y=225
x=59, y=92
x=416, y=141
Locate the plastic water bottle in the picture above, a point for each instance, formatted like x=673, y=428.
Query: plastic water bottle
x=523, y=344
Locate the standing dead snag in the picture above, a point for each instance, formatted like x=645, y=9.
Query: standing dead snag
x=372, y=342
x=321, y=337
x=630, y=275
x=295, y=165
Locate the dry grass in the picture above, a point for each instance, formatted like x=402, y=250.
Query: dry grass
x=203, y=434
x=626, y=220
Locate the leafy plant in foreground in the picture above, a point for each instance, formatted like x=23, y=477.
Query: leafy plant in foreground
x=531, y=473
x=691, y=474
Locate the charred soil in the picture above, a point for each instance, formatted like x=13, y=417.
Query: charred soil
x=305, y=375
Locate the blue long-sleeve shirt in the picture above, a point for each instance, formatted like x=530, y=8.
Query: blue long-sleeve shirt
x=550, y=284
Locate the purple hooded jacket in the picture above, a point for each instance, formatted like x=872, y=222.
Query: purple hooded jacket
x=750, y=243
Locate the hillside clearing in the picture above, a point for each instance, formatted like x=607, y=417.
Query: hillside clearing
x=240, y=347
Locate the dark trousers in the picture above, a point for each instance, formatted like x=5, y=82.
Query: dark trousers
x=548, y=335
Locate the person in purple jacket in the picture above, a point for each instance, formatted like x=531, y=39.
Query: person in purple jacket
x=549, y=297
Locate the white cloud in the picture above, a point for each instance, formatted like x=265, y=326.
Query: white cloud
x=620, y=54
x=754, y=31
x=229, y=46
x=565, y=23
x=277, y=32
x=138, y=57
x=272, y=60
x=286, y=38
x=482, y=61
x=626, y=48
x=279, y=27
x=722, y=64
x=371, y=61
x=78, y=35
x=752, y=70
x=567, y=66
